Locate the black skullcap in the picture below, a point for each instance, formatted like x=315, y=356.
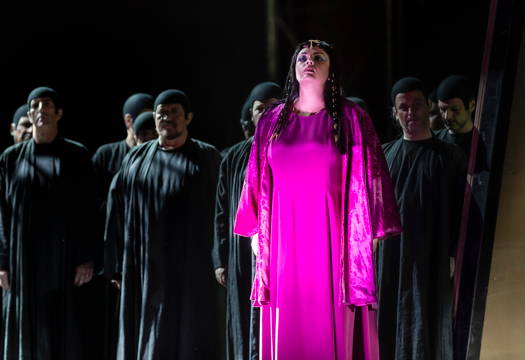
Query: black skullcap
x=20, y=112
x=260, y=92
x=44, y=91
x=137, y=103
x=456, y=86
x=359, y=102
x=405, y=85
x=173, y=96
x=144, y=121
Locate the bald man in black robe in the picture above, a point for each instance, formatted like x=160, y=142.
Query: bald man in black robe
x=47, y=211
x=158, y=241
x=415, y=268
x=232, y=256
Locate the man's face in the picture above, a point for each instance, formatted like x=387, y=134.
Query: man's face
x=43, y=113
x=23, y=130
x=436, y=121
x=146, y=135
x=456, y=117
x=411, y=110
x=312, y=65
x=171, y=121
x=259, y=107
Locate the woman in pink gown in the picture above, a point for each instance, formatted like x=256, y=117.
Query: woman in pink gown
x=316, y=195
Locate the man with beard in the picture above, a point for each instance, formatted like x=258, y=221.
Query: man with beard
x=21, y=127
x=415, y=268
x=456, y=100
x=47, y=209
x=232, y=256
x=436, y=121
x=457, y=103
x=160, y=222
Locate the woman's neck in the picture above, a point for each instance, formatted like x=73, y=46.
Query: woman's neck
x=310, y=99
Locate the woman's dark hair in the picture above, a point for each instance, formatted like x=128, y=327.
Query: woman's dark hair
x=332, y=92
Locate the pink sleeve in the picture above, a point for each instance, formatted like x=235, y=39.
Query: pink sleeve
x=247, y=210
x=246, y=221
x=384, y=213
x=254, y=209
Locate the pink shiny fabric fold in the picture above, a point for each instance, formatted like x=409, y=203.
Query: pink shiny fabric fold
x=369, y=206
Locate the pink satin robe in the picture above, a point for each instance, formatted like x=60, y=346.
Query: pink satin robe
x=367, y=206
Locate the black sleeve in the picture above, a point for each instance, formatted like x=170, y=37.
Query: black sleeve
x=221, y=225
x=459, y=181
x=88, y=244
x=4, y=219
x=101, y=179
x=114, y=231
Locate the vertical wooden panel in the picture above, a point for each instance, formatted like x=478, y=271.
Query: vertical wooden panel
x=504, y=328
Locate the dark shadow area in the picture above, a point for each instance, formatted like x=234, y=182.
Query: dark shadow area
x=96, y=54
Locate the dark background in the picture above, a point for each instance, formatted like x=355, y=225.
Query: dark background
x=97, y=53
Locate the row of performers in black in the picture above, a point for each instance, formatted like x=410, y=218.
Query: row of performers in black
x=160, y=204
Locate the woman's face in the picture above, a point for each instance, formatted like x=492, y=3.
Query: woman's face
x=312, y=65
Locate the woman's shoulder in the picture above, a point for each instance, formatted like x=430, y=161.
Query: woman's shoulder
x=356, y=118
x=350, y=108
x=274, y=109
x=271, y=115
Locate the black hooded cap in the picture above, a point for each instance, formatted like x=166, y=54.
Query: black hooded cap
x=44, y=91
x=20, y=112
x=173, y=96
x=262, y=91
x=144, y=121
x=456, y=86
x=137, y=103
x=405, y=85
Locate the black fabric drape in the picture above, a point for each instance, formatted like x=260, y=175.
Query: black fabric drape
x=158, y=236
x=107, y=161
x=233, y=252
x=47, y=201
x=469, y=264
x=415, y=286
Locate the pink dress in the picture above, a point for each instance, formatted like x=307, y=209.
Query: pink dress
x=306, y=172
x=307, y=285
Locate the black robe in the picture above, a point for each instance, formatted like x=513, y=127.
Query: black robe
x=107, y=161
x=47, y=205
x=159, y=235
x=234, y=253
x=472, y=242
x=461, y=140
x=415, y=287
